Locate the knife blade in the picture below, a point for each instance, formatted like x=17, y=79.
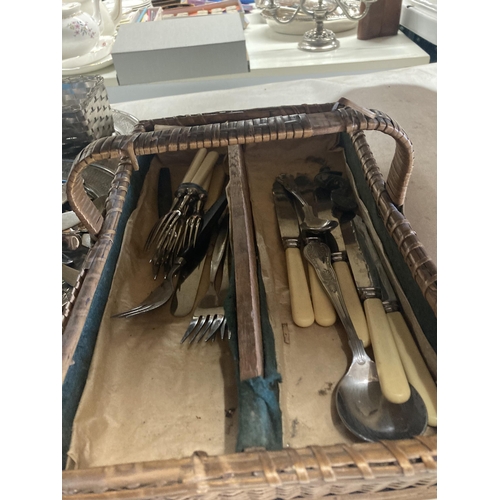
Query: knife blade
x=341, y=268
x=393, y=381
x=414, y=365
x=300, y=300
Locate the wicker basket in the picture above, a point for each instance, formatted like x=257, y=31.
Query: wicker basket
x=385, y=470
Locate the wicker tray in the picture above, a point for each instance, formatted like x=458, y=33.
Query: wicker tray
x=396, y=469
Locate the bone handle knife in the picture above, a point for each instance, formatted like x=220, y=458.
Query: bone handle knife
x=367, y=271
x=415, y=367
x=300, y=301
x=205, y=168
x=195, y=164
x=393, y=379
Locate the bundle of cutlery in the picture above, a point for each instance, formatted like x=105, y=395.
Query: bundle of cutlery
x=182, y=235
x=318, y=220
x=177, y=231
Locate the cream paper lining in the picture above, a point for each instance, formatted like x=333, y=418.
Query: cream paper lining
x=310, y=360
x=149, y=398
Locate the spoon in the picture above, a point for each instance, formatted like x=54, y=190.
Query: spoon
x=362, y=407
x=310, y=221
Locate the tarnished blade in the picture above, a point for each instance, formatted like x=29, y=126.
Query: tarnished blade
x=375, y=266
x=364, y=279
x=287, y=216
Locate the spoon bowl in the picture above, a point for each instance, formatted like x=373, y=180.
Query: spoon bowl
x=367, y=413
x=362, y=407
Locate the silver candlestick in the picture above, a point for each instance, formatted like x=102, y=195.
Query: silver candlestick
x=318, y=39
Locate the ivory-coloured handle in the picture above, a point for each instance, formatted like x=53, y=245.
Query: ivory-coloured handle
x=392, y=376
x=195, y=164
x=216, y=185
x=352, y=301
x=416, y=370
x=300, y=300
x=324, y=312
x=205, y=169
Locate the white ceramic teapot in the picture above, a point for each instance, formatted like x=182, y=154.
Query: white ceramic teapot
x=107, y=20
x=80, y=32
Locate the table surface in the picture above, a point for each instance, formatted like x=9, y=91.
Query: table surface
x=274, y=57
x=407, y=95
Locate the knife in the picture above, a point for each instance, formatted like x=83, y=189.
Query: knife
x=414, y=365
x=341, y=268
x=393, y=381
x=300, y=300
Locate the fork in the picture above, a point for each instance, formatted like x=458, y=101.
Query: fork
x=189, y=259
x=209, y=317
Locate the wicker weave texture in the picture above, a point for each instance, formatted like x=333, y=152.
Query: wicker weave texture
x=398, y=469
x=311, y=472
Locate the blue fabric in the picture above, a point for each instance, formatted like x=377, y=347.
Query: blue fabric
x=259, y=413
x=76, y=377
x=258, y=399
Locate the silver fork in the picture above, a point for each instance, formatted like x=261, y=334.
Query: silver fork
x=164, y=292
x=209, y=317
x=159, y=296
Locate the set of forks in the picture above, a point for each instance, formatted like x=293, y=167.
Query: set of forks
x=209, y=317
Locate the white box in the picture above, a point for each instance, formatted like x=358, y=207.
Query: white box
x=180, y=48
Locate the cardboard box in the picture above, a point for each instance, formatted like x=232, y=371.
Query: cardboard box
x=180, y=48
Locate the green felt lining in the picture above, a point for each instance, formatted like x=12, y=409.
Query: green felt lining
x=423, y=311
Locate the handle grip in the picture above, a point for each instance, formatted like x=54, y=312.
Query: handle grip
x=393, y=381
x=300, y=300
x=216, y=185
x=352, y=301
x=205, y=168
x=416, y=370
x=195, y=164
x=319, y=121
x=324, y=312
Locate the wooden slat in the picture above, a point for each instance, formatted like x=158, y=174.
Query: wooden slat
x=245, y=265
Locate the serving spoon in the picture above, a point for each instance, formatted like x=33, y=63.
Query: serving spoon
x=362, y=407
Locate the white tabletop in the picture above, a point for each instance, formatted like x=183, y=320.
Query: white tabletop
x=274, y=57
x=407, y=95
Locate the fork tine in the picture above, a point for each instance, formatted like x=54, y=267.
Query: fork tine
x=223, y=328
x=132, y=312
x=216, y=325
x=195, y=322
x=161, y=227
x=207, y=321
x=159, y=296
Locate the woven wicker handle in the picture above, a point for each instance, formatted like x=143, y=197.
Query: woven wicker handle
x=343, y=118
